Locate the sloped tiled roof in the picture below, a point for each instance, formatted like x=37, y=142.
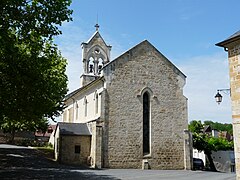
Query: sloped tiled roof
x=73, y=93
x=47, y=133
x=79, y=89
x=232, y=38
x=207, y=129
x=234, y=35
x=74, y=129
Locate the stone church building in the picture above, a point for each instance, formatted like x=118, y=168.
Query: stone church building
x=127, y=113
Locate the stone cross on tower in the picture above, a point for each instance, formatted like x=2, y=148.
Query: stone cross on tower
x=95, y=54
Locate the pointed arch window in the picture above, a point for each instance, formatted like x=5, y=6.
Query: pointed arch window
x=146, y=123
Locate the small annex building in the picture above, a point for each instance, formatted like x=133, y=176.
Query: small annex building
x=127, y=113
x=74, y=136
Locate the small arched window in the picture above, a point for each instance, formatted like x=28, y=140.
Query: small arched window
x=91, y=65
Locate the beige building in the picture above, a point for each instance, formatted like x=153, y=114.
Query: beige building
x=232, y=46
x=133, y=107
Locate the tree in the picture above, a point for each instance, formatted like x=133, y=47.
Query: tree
x=206, y=143
x=33, y=82
x=195, y=126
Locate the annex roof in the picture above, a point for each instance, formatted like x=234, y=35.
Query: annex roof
x=74, y=129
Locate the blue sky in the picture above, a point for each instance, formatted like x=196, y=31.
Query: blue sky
x=185, y=31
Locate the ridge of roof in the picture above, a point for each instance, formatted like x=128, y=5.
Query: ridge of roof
x=92, y=37
x=122, y=54
x=235, y=34
x=130, y=49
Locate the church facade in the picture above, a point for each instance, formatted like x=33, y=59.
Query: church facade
x=127, y=113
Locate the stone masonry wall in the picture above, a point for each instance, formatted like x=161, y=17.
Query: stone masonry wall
x=68, y=154
x=234, y=72
x=144, y=67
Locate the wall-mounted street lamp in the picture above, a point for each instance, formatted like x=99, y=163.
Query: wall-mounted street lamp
x=218, y=96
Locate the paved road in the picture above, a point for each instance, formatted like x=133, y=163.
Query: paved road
x=9, y=146
x=27, y=163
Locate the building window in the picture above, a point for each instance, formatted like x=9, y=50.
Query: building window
x=65, y=116
x=85, y=103
x=96, y=104
x=76, y=111
x=77, y=149
x=146, y=123
x=70, y=114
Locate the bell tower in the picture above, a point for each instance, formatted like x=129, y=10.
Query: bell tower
x=95, y=54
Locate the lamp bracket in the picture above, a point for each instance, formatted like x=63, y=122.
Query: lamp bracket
x=225, y=91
